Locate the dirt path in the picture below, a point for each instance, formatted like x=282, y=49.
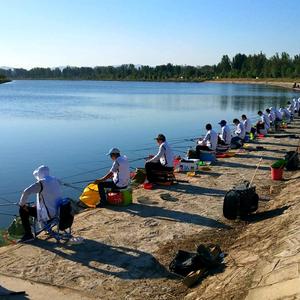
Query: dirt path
x=127, y=250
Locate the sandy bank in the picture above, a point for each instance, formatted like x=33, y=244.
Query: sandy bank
x=281, y=84
x=127, y=249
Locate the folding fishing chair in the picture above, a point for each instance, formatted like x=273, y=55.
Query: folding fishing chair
x=57, y=227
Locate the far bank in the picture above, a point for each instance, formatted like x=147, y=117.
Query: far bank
x=283, y=83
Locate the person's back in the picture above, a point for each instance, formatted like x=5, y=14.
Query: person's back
x=121, y=176
x=50, y=194
x=241, y=130
x=226, y=134
x=167, y=159
x=212, y=143
x=265, y=119
x=247, y=125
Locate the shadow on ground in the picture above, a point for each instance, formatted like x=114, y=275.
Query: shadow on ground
x=121, y=262
x=149, y=211
x=261, y=216
x=8, y=294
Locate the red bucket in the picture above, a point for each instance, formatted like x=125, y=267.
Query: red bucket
x=276, y=174
x=114, y=198
x=148, y=186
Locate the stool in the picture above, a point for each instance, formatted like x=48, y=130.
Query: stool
x=120, y=197
x=164, y=177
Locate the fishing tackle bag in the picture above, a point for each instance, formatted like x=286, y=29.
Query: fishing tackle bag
x=66, y=217
x=292, y=161
x=206, y=257
x=240, y=201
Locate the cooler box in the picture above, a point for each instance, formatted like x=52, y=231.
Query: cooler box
x=208, y=156
x=187, y=165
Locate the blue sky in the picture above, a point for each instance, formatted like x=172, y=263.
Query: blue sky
x=112, y=32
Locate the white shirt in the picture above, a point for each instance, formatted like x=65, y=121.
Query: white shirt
x=226, y=135
x=271, y=116
x=278, y=114
x=48, y=193
x=120, y=169
x=286, y=113
x=247, y=125
x=240, y=130
x=164, y=155
x=265, y=119
x=211, y=139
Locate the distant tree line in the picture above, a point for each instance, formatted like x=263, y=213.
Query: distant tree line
x=240, y=66
x=3, y=78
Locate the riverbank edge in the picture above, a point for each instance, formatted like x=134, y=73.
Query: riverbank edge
x=268, y=82
x=4, y=80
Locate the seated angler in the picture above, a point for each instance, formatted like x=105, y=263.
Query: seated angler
x=119, y=173
x=209, y=143
x=271, y=116
x=162, y=161
x=290, y=108
x=224, y=138
x=239, y=132
x=263, y=125
x=247, y=124
x=47, y=189
x=285, y=114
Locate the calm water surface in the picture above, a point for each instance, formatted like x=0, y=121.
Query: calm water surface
x=70, y=125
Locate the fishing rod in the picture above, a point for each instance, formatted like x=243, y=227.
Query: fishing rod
x=6, y=214
x=8, y=204
x=6, y=200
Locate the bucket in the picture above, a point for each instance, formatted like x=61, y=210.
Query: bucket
x=276, y=174
x=114, y=198
x=207, y=156
x=126, y=196
x=148, y=186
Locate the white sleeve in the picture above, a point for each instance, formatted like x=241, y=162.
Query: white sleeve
x=33, y=189
x=114, y=167
x=207, y=137
x=160, y=154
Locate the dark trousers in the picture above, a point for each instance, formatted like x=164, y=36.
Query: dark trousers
x=203, y=148
x=236, y=139
x=101, y=188
x=25, y=214
x=221, y=142
x=154, y=166
x=260, y=126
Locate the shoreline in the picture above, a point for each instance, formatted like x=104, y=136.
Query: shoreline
x=5, y=81
x=281, y=84
x=268, y=82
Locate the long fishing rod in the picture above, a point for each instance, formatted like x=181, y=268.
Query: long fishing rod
x=6, y=214
x=6, y=200
x=8, y=204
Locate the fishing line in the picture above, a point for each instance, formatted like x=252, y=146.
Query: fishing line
x=6, y=214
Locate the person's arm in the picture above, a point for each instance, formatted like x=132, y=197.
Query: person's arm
x=105, y=177
x=110, y=174
x=157, y=157
x=33, y=189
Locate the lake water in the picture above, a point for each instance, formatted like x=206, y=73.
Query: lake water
x=70, y=125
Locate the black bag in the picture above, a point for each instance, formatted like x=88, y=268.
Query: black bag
x=186, y=262
x=292, y=161
x=192, y=154
x=66, y=217
x=240, y=201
